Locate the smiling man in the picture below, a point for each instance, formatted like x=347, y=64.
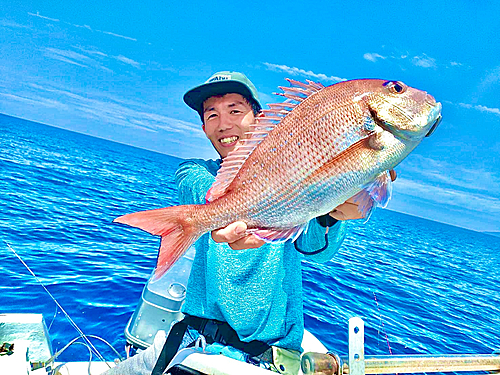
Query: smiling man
x=249, y=290
x=244, y=295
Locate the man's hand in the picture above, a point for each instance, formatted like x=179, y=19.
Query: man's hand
x=349, y=209
x=234, y=235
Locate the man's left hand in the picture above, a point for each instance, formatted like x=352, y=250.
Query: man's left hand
x=349, y=209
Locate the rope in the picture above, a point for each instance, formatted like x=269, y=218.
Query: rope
x=383, y=326
x=82, y=335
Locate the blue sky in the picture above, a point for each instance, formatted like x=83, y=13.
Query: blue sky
x=118, y=70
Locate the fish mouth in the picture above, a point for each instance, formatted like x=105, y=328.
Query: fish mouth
x=436, y=114
x=434, y=117
x=434, y=126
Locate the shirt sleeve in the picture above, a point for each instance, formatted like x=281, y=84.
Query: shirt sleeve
x=314, y=239
x=193, y=181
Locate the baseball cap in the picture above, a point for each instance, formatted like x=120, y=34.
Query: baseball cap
x=221, y=83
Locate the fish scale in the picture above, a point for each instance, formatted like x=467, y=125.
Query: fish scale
x=324, y=136
x=302, y=159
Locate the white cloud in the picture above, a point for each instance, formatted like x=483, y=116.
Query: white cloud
x=373, y=57
x=301, y=72
x=447, y=192
x=488, y=86
x=6, y=23
x=109, y=109
x=449, y=197
x=45, y=18
x=36, y=100
x=64, y=59
x=172, y=124
x=103, y=108
x=118, y=35
x=67, y=55
x=81, y=26
x=478, y=107
x=482, y=108
x=492, y=78
x=91, y=52
x=454, y=176
x=424, y=61
x=421, y=60
x=79, y=59
x=128, y=61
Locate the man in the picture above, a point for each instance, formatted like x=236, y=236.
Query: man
x=244, y=293
x=257, y=292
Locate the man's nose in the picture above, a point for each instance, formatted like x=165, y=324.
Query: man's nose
x=226, y=122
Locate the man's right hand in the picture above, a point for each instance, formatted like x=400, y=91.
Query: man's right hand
x=234, y=235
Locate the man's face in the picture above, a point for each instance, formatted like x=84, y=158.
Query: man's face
x=226, y=120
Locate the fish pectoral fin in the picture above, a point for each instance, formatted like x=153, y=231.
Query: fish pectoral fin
x=278, y=235
x=376, y=193
x=377, y=141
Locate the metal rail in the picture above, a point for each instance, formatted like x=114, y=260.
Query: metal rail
x=356, y=363
x=318, y=363
x=424, y=363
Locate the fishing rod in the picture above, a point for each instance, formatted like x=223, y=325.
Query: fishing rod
x=356, y=363
x=82, y=335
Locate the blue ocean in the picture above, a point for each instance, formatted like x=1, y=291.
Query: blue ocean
x=421, y=287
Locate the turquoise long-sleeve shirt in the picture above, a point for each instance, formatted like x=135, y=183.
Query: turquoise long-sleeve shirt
x=257, y=291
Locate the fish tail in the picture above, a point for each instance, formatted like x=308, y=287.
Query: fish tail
x=176, y=226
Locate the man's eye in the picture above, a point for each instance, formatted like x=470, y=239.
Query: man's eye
x=235, y=111
x=211, y=116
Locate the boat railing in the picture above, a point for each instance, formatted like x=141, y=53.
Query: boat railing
x=356, y=363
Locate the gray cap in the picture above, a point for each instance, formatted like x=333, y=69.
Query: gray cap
x=221, y=83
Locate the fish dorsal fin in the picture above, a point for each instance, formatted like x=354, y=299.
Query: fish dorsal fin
x=298, y=91
x=264, y=124
x=376, y=193
x=232, y=163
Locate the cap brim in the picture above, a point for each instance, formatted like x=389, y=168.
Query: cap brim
x=195, y=97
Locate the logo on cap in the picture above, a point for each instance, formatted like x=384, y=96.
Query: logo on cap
x=221, y=77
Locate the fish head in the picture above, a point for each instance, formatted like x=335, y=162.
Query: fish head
x=408, y=113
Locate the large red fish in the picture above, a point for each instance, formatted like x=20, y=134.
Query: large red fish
x=302, y=159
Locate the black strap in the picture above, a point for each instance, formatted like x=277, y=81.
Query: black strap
x=171, y=346
x=313, y=252
x=213, y=330
x=222, y=332
x=184, y=370
x=326, y=221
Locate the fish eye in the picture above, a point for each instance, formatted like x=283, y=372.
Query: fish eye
x=396, y=87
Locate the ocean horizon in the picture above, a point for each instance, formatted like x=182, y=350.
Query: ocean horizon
x=493, y=233
x=422, y=286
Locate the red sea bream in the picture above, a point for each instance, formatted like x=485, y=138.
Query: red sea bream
x=300, y=160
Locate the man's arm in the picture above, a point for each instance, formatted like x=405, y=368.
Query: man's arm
x=193, y=179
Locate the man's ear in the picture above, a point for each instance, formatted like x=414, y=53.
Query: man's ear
x=203, y=127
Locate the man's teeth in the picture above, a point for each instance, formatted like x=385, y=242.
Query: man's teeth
x=228, y=140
